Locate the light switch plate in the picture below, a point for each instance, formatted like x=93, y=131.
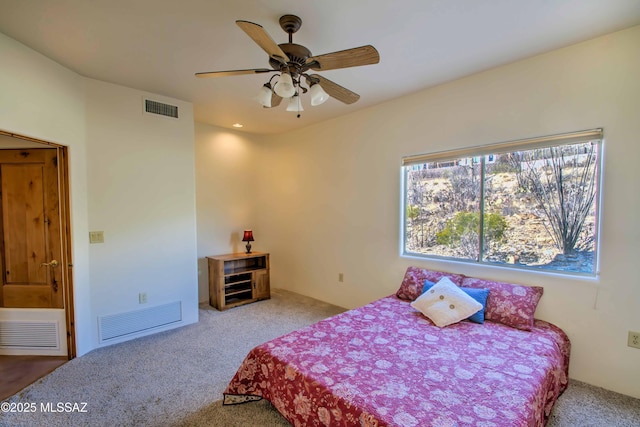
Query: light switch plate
x=96, y=237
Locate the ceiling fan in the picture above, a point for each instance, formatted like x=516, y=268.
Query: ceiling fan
x=292, y=64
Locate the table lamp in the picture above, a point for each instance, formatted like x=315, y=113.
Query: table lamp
x=248, y=237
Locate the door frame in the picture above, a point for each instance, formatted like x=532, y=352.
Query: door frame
x=66, y=263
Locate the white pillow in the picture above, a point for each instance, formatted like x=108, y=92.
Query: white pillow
x=445, y=303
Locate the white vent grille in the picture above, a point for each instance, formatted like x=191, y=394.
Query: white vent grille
x=29, y=335
x=155, y=107
x=120, y=325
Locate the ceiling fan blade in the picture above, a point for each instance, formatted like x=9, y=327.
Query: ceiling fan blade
x=275, y=100
x=263, y=39
x=234, y=72
x=340, y=93
x=363, y=55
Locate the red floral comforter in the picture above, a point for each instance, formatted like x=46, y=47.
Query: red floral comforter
x=385, y=364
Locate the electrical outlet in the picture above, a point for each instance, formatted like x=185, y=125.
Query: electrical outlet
x=634, y=339
x=142, y=297
x=340, y=277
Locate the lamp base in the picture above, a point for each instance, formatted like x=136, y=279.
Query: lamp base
x=248, y=247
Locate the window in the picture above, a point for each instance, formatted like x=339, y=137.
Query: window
x=527, y=204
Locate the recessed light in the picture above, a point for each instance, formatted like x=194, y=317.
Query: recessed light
x=237, y=125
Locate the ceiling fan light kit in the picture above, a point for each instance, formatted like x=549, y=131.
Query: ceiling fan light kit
x=284, y=88
x=265, y=94
x=318, y=95
x=295, y=104
x=291, y=63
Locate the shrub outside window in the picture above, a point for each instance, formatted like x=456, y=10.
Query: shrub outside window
x=528, y=204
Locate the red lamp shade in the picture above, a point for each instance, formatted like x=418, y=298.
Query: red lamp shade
x=248, y=236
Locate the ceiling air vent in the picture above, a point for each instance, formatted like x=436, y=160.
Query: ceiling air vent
x=155, y=107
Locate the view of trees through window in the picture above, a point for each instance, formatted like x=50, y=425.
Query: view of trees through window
x=534, y=208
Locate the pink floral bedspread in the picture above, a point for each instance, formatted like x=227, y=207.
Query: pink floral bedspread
x=385, y=364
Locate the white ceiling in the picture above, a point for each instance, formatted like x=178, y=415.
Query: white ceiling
x=158, y=45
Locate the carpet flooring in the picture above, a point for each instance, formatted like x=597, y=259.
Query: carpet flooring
x=176, y=378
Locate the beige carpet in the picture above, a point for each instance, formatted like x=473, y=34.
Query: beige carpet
x=176, y=378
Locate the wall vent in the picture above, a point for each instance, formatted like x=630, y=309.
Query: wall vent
x=121, y=325
x=29, y=335
x=155, y=107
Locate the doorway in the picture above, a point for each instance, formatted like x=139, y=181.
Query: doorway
x=36, y=299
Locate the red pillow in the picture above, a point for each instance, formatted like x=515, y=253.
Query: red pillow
x=509, y=304
x=414, y=278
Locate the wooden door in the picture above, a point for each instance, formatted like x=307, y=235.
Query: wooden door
x=30, y=229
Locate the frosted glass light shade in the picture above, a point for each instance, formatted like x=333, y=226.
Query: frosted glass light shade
x=318, y=95
x=295, y=104
x=284, y=88
x=264, y=96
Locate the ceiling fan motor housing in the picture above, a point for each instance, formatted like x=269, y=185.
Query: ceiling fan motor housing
x=297, y=54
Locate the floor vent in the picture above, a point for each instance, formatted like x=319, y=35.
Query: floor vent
x=29, y=335
x=155, y=107
x=120, y=325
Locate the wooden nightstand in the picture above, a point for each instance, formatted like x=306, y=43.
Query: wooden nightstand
x=236, y=279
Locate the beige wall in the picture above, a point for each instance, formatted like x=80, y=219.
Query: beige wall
x=131, y=175
x=330, y=194
x=225, y=187
x=141, y=193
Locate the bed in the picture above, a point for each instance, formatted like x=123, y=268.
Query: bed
x=387, y=364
